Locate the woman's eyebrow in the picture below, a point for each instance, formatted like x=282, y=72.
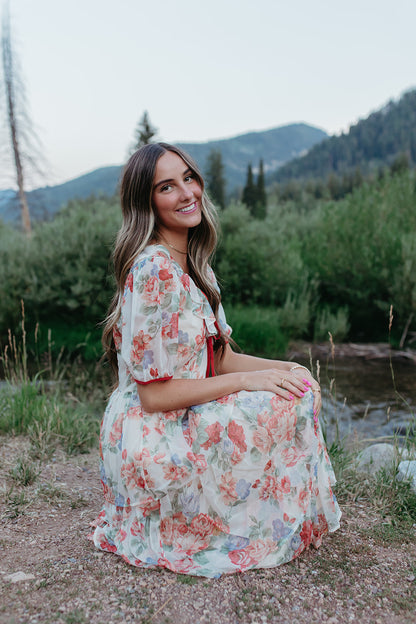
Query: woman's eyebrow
x=186, y=172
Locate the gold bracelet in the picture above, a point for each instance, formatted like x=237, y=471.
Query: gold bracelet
x=298, y=366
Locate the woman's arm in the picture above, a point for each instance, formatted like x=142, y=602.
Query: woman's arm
x=164, y=396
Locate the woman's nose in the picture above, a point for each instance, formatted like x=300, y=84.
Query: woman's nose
x=187, y=192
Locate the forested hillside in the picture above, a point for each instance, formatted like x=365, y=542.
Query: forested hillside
x=371, y=143
x=275, y=146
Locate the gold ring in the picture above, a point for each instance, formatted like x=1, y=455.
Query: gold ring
x=282, y=382
x=316, y=390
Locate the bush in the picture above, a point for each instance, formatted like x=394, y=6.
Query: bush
x=62, y=272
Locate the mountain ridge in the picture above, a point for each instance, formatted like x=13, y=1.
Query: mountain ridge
x=275, y=146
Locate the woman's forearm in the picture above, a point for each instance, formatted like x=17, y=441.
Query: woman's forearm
x=233, y=362
x=165, y=396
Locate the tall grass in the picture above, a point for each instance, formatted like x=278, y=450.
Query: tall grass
x=42, y=404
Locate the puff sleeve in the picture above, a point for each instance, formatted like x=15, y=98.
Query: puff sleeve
x=150, y=314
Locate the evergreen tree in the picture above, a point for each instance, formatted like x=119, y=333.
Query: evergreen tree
x=259, y=209
x=249, y=192
x=144, y=132
x=215, y=178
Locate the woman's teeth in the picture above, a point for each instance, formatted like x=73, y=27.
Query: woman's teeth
x=188, y=208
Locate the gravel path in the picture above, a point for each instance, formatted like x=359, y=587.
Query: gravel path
x=365, y=572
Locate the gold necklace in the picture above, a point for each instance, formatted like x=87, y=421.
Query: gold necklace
x=184, y=253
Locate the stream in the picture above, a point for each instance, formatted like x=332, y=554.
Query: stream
x=360, y=395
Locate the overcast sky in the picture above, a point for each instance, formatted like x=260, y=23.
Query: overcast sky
x=204, y=69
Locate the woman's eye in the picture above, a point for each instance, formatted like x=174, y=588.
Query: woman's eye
x=189, y=178
x=166, y=187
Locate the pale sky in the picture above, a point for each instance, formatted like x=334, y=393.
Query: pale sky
x=203, y=69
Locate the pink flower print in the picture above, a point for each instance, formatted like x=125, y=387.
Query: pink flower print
x=290, y=456
x=129, y=282
x=236, y=435
x=148, y=505
x=184, y=352
x=166, y=531
x=167, y=278
x=172, y=472
x=306, y=533
x=214, y=435
x=137, y=528
x=319, y=530
x=117, y=337
x=135, y=413
x=182, y=566
x=259, y=549
x=236, y=456
x=228, y=398
x=199, y=461
x=262, y=440
x=116, y=431
x=270, y=467
x=159, y=457
x=269, y=488
x=203, y=525
x=185, y=281
x=129, y=474
x=227, y=488
x=282, y=427
x=106, y=545
x=241, y=559
x=140, y=343
x=121, y=535
x=151, y=294
x=154, y=373
x=108, y=493
x=171, y=329
x=303, y=500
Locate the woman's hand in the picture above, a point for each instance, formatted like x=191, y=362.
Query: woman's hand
x=306, y=377
x=284, y=383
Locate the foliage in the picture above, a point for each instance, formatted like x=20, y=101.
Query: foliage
x=144, y=133
x=62, y=272
x=256, y=330
x=254, y=193
x=215, y=178
x=323, y=265
x=278, y=145
x=377, y=141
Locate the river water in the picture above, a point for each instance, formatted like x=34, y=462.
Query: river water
x=361, y=398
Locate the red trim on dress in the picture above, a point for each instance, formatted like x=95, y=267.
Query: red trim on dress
x=144, y=383
x=210, y=346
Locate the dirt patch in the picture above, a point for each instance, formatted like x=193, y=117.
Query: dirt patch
x=364, y=572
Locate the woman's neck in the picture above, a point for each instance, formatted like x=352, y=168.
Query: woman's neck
x=177, y=247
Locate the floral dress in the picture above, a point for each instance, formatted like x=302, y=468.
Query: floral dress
x=238, y=483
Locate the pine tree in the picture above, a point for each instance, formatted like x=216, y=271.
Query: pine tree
x=215, y=178
x=259, y=208
x=144, y=132
x=249, y=192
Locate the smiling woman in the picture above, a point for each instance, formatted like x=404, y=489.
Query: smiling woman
x=177, y=203
x=212, y=461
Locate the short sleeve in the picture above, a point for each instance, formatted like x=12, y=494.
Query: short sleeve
x=150, y=314
x=226, y=330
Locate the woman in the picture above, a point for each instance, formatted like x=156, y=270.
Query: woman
x=212, y=461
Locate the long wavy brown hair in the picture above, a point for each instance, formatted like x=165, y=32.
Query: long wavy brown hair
x=140, y=226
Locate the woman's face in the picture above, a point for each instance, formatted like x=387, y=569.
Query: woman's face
x=176, y=195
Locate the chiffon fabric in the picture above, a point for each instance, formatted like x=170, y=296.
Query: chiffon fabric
x=238, y=483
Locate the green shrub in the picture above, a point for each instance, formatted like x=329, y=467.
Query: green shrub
x=256, y=330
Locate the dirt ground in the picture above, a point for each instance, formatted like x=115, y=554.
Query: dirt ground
x=360, y=574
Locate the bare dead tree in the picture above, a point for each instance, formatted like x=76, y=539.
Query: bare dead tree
x=17, y=119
